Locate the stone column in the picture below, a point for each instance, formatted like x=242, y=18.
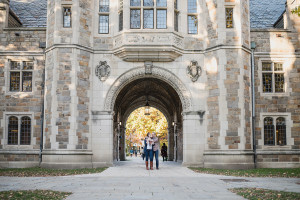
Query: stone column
x=102, y=139
x=4, y=12
x=122, y=144
x=193, y=139
x=171, y=143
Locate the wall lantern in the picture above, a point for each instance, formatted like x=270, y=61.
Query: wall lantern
x=147, y=108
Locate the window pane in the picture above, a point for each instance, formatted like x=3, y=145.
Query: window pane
x=161, y=3
x=67, y=17
x=14, y=81
x=267, y=66
x=192, y=6
x=104, y=6
x=229, y=17
x=135, y=2
x=176, y=21
x=281, y=131
x=192, y=24
x=12, y=130
x=278, y=67
x=269, y=131
x=279, y=82
x=135, y=18
x=161, y=19
x=103, y=23
x=121, y=21
x=267, y=82
x=148, y=19
x=27, y=65
x=148, y=3
x=27, y=81
x=15, y=65
x=175, y=4
x=25, y=135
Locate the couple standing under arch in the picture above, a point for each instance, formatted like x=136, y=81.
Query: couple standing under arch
x=151, y=148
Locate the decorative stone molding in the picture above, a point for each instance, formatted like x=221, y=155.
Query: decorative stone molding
x=148, y=67
x=194, y=71
x=102, y=70
x=139, y=73
x=148, y=46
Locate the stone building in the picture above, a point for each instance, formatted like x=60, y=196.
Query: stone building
x=72, y=71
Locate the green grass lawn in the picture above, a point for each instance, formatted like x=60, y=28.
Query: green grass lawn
x=267, y=172
x=41, y=172
x=258, y=193
x=34, y=195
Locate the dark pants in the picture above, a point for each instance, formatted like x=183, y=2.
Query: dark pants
x=149, y=153
x=156, y=153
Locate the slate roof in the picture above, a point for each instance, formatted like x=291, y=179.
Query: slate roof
x=32, y=13
x=264, y=13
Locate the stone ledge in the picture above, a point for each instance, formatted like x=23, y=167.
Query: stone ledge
x=26, y=29
x=20, y=152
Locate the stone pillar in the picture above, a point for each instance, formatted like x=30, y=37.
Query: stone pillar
x=171, y=143
x=193, y=139
x=122, y=144
x=4, y=12
x=102, y=139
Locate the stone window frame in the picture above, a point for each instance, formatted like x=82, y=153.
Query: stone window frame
x=19, y=115
x=155, y=8
x=289, y=124
x=192, y=15
x=104, y=13
x=287, y=89
x=7, y=75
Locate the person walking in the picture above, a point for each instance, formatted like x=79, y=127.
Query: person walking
x=148, y=142
x=164, y=152
x=156, y=149
x=131, y=152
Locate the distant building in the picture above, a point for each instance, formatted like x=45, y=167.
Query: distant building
x=87, y=64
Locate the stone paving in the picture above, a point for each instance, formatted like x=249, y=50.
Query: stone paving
x=130, y=180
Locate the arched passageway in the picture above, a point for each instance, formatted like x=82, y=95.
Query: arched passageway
x=160, y=95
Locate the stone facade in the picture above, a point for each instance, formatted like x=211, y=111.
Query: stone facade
x=209, y=118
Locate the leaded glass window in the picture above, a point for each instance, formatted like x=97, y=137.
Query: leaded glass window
x=192, y=6
x=229, y=17
x=135, y=2
x=273, y=77
x=121, y=20
x=103, y=24
x=176, y=15
x=148, y=3
x=19, y=130
x=142, y=14
x=192, y=24
x=161, y=3
x=274, y=133
x=12, y=130
x=269, y=131
x=104, y=6
x=25, y=135
x=148, y=19
x=192, y=17
x=67, y=17
x=280, y=131
x=135, y=18
x=161, y=19
x=21, y=76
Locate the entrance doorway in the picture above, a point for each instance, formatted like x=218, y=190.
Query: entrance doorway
x=161, y=98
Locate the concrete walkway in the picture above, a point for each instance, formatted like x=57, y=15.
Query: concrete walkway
x=130, y=180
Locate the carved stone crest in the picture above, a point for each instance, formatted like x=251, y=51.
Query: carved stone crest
x=194, y=71
x=102, y=70
x=148, y=67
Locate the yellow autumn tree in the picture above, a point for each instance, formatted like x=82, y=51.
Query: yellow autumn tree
x=139, y=124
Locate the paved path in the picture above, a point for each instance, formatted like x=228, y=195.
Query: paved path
x=130, y=180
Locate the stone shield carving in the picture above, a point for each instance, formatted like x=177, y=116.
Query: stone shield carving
x=194, y=71
x=102, y=70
